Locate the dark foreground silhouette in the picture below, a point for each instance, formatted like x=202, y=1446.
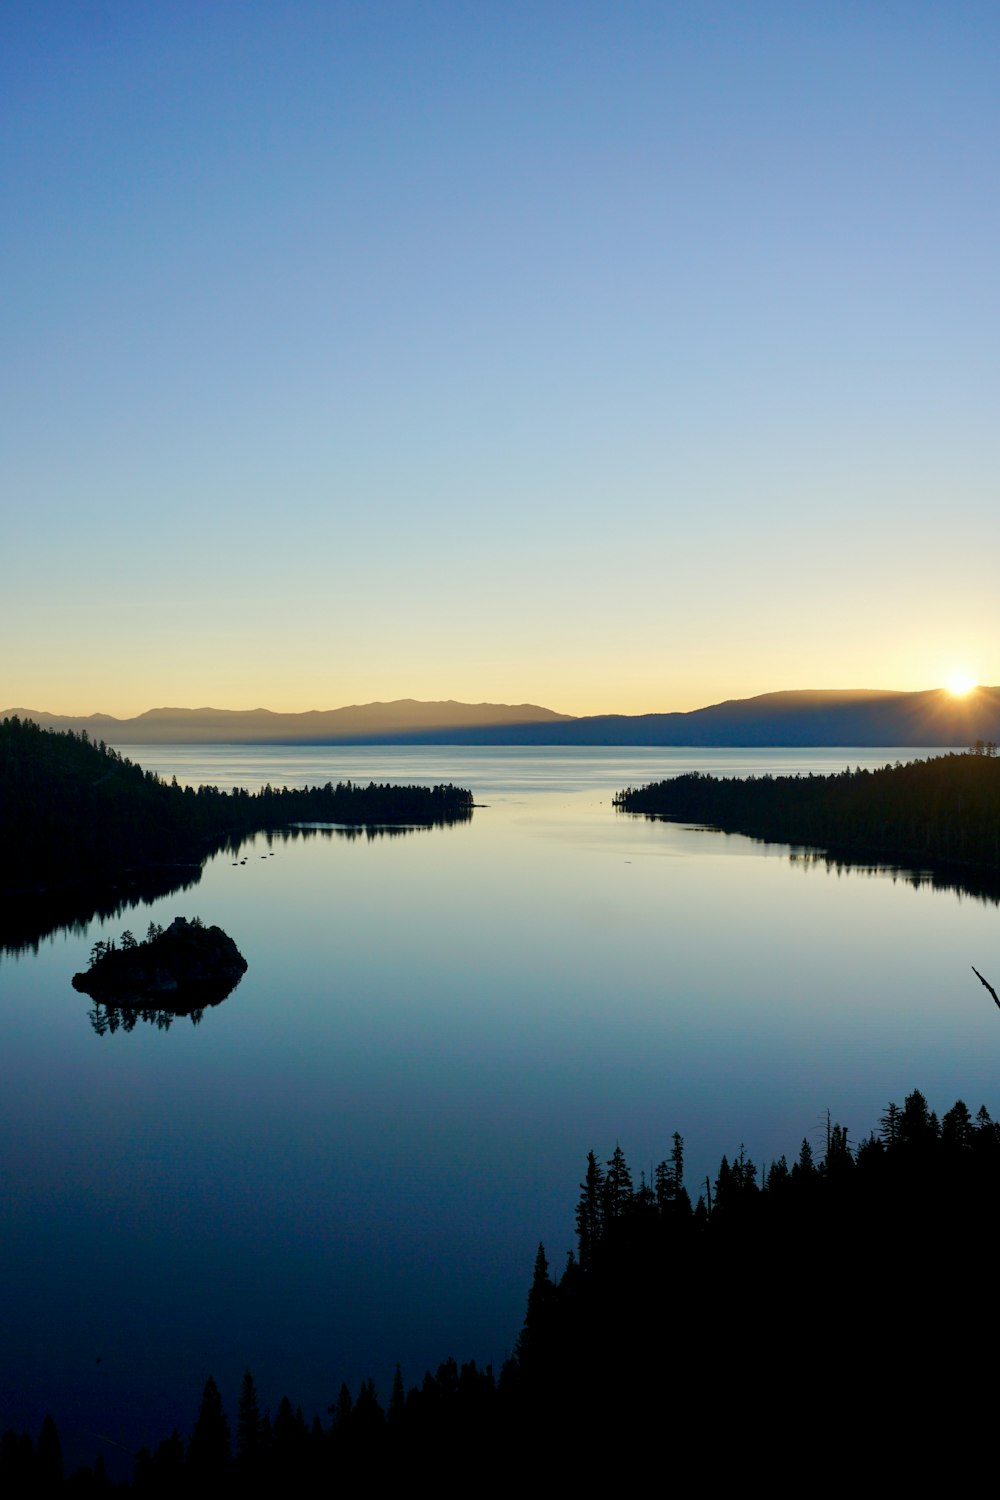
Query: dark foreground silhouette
x=943, y=812
x=800, y=1325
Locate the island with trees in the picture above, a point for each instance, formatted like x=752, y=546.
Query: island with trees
x=940, y=812
x=181, y=967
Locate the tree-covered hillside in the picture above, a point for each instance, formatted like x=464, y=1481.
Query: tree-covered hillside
x=74, y=810
x=800, y=1324
x=945, y=810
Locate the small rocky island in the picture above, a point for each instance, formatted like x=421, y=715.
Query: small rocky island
x=181, y=967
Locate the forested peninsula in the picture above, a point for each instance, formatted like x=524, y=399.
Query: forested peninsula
x=798, y=1323
x=75, y=811
x=943, y=812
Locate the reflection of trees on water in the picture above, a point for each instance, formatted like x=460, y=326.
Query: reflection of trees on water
x=177, y=971
x=114, y=1018
x=105, y=1016
x=28, y=919
x=111, y=1018
x=962, y=880
x=367, y=831
x=86, y=833
x=979, y=884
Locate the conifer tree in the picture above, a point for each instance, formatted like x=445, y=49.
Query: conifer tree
x=618, y=1192
x=838, y=1153
x=663, y=1185
x=369, y=1418
x=248, y=1423
x=917, y=1126
x=723, y=1187
x=590, y=1211
x=397, y=1399
x=342, y=1412
x=208, y=1450
x=677, y=1164
x=540, y=1301
x=889, y=1125
x=777, y=1175
x=49, y=1465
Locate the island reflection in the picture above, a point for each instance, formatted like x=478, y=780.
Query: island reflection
x=105, y=1018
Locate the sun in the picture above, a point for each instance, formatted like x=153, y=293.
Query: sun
x=960, y=684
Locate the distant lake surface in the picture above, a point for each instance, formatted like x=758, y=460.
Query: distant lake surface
x=352, y=1159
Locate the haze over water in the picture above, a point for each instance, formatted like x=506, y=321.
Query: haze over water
x=352, y=1159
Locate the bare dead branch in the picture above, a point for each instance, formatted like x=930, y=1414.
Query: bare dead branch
x=992, y=991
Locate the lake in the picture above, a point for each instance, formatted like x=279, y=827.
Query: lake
x=351, y=1160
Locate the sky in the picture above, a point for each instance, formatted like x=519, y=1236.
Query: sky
x=612, y=357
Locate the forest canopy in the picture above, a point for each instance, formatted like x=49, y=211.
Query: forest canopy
x=846, y=1293
x=945, y=810
x=71, y=809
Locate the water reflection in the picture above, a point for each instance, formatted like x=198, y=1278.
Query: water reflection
x=398, y=1103
x=962, y=880
x=981, y=885
x=369, y=831
x=29, y=918
x=105, y=1018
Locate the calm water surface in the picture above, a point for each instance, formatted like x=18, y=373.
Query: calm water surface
x=352, y=1159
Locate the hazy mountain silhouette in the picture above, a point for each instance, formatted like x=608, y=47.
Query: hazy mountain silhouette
x=809, y=717
x=385, y=723
x=859, y=717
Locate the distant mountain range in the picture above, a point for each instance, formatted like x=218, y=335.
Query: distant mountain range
x=405, y=720
x=838, y=717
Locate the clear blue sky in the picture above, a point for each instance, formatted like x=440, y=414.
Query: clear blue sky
x=619, y=356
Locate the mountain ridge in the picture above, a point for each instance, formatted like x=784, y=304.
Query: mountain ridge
x=796, y=717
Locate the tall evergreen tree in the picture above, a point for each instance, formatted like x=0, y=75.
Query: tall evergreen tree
x=917, y=1127
x=397, y=1399
x=540, y=1301
x=208, y=1450
x=805, y=1166
x=49, y=1456
x=618, y=1193
x=590, y=1211
x=889, y=1125
x=342, y=1412
x=248, y=1424
x=777, y=1175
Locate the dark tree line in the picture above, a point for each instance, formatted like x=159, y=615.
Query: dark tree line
x=799, y=1324
x=72, y=810
x=945, y=810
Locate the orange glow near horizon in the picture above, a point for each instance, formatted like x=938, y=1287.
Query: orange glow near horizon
x=111, y=687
